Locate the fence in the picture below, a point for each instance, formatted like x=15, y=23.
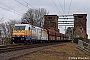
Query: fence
x=83, y=45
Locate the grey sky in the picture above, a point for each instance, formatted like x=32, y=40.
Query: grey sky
x=77, y=6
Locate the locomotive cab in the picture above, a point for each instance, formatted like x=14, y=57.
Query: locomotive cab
x=20, y=33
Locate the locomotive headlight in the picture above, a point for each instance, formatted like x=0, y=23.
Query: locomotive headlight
x=12, y=38
x=22, y=38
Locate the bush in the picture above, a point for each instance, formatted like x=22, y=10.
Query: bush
x=76, y=39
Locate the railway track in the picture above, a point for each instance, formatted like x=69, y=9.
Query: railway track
x=9, y=48
x=18, y=50
x=14, y=47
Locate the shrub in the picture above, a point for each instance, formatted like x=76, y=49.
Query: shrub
x=76, y=39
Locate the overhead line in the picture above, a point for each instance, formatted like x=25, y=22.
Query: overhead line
x=56, y=7
x=65, y=18
x=10, y=8
x=10, y=11
x=22, y=4
x=66, y=23
x=64, y=15
x=69, y=6
x=25, y=5
x=61, y=6
x=64, y=6
x=28, y=4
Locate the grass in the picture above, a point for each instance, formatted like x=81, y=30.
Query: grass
x=57, y=52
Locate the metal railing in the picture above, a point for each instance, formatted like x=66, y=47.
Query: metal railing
x=83, y=45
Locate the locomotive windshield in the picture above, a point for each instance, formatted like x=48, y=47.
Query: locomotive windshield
x=19, y=28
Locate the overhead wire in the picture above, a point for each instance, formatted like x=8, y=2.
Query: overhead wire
x=10, y=11
x=64, y=14
x=25, y=5
x=11, y=8
x=22, y=4
x=28, y=3
x=56, y=7
x=70, y=7
x=64, y=6
x=61, y=6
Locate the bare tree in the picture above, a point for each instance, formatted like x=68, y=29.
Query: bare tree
x=7, y=29
x=10, y=25
x=35, y=16
x=3, y=32
x=2, y=19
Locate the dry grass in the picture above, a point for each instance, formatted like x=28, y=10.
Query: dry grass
x=57, y=52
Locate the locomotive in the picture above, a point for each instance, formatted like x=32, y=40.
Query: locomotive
x=26, y=33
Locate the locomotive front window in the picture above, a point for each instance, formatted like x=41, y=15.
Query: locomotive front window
x=19, y=28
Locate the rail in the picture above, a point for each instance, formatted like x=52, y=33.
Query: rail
x=83, y=45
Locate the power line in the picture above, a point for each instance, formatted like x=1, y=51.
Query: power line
x=10, y=11
x=69, y=6
x=10, y=8
x=25, y=5
x=61, y=6
x=28, y=4
x=22, y=4
x=64, y=6
x=56, y=6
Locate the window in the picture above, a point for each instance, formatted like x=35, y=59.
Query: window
x=19, y=28
x=49, y=17
x=80, y=16
x=29, y=28
x=81, y=28
x=39, y=30
x=33, y=29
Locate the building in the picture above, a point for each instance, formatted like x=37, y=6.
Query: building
x=51, y=22
x=80, y=21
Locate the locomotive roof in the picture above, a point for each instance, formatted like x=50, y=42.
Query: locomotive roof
x=21, y=24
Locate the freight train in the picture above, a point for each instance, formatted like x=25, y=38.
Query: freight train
x=26, y=33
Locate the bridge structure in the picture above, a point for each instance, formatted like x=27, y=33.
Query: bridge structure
x=77, y=21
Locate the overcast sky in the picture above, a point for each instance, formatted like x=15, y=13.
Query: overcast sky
x=16, y=10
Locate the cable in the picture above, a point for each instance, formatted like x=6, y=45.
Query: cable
x=1, y=18
x=10, y=8
x=64, y=6
x=56, y=6
x=61, y=6
x=28, y=3
x=22, y=4
x=69, y=6
x=10, y=11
